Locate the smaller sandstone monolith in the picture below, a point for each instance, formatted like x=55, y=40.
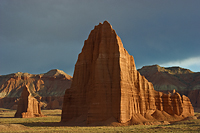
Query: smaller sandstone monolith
x=28, y=106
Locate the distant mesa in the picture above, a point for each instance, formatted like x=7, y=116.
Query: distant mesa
x=170, y=70
x=166, y=79
x=28, y=106
x=108, y=90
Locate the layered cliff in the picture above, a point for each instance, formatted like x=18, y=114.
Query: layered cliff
x=107, y=88
x=182, y=80
x=49, y=86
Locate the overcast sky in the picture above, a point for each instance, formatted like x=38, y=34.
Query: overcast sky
x=39, y=35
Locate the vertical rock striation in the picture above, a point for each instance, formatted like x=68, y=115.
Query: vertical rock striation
x=28, y=106
x=107, y=88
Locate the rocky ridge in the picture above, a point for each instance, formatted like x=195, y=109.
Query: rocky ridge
x=49, y=87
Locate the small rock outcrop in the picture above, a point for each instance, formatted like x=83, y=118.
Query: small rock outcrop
x=28, y=106
x=107, y=88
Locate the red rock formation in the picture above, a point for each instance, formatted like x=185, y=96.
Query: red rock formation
x=107, y=87
x=182, y=80
x=28, y=106
x=50, y=84
x=194, y=96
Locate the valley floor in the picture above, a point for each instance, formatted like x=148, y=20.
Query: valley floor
x=51, y=123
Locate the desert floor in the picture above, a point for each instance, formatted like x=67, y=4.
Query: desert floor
x=51, y=123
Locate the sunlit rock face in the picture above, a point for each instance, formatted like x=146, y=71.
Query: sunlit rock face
x=28, y=106
x=107, y=88
x=49, y=86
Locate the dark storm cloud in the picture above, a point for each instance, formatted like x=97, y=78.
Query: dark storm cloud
x=40, y=35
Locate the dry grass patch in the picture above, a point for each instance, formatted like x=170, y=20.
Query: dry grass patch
x=51, y=123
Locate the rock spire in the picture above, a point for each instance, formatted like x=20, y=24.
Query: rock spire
x=28, y=106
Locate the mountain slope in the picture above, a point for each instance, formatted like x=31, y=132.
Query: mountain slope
x=46, y=86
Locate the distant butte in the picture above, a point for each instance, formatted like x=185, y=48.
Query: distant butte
x=108, y=90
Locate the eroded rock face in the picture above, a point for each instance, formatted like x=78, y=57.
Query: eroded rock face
x=50, y=85
x=107, y=88
x=28, y=106
x=167, y=79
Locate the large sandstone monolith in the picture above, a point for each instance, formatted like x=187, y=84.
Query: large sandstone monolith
x=28, y=106
x=107, y=88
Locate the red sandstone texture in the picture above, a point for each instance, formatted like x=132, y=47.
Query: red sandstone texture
x=28, y=106
x=182, y=80
x=49, y=87
x=107, y=88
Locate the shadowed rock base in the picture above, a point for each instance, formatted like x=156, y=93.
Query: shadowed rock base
x=28, y=106
x=108, y=90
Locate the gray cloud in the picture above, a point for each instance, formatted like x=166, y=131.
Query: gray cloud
x=37, y=36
